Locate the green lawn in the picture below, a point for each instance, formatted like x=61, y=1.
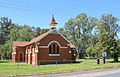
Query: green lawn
x=23, y=68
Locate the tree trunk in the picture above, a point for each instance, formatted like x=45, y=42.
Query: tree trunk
x=98, y=60
x=81, y=55
x=116, y=57
x=1, y=57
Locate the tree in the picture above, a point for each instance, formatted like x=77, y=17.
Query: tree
x=43, y=31
x=79, y=30
x=5, y=51
x=22, y=33
x=38, y=31
x=5, y=26
x=107, y=29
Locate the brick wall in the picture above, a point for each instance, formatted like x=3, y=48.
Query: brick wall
x=32, y=57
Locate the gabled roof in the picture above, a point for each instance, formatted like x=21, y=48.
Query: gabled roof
x=20, y=43
x=24, y=43
x=45, y=34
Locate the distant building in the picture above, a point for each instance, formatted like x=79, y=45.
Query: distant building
x=48, y=47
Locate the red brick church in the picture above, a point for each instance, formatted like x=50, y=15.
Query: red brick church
x=50, y=46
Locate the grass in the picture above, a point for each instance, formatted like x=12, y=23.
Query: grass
x=23, y=68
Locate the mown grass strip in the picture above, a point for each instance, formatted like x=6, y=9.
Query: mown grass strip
x=23, y=68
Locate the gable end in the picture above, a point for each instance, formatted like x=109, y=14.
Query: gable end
x=54, y=32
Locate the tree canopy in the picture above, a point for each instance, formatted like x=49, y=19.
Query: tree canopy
x=93, y=35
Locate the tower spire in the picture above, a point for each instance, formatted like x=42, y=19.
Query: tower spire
x=52, y=15
x=53, y=22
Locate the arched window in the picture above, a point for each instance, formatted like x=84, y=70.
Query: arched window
x=54, y=48
x=57, y=49
x=50, y=49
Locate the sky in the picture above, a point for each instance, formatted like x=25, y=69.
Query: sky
x=38, y=13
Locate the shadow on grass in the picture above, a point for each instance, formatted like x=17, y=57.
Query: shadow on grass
x=112, y=62
x=60, y=62
x=40, y=63
x=4, y=61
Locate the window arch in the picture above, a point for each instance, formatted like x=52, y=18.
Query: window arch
x=54, y=48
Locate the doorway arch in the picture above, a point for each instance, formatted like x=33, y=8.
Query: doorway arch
x=21, y=57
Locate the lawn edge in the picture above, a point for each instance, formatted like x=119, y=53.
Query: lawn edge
x=83, y=70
